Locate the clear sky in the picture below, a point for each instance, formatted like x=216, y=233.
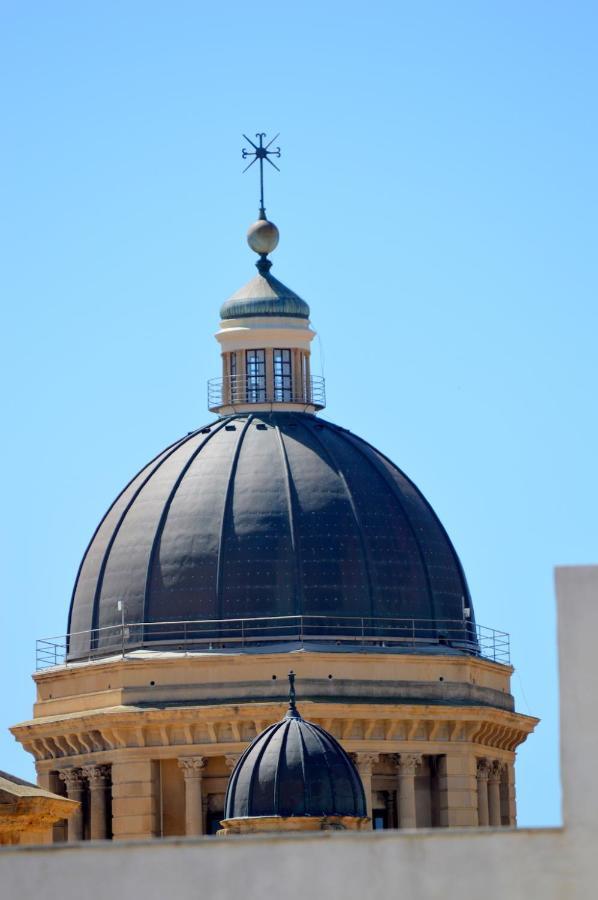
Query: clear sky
x=437, y=208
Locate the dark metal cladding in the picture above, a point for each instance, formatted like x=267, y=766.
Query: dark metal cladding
x=269, y=514
x=294, y=768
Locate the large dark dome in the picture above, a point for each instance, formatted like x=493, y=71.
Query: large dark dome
x=264, y=515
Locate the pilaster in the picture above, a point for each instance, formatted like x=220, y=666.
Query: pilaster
x=508, y=797
x=135, y=799
x=458, y=794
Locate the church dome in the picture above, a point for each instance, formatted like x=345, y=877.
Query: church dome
x=265, y=514
x=264, y=295
x=294, y=768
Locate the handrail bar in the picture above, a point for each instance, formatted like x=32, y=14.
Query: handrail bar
x=461, y=634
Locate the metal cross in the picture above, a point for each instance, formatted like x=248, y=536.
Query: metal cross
x=261, y=153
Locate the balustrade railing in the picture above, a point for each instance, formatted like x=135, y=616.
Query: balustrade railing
x=205, y=635
x=237, y=390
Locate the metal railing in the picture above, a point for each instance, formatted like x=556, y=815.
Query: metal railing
x=232, y=390
x=354, y=633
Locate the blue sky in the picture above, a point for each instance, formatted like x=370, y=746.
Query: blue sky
x=437, y=208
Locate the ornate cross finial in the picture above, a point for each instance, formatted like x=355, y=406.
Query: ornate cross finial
x=260, y=153
x=292, y=694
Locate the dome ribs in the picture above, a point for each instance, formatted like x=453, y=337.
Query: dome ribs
x=88, y=611
x=291, y=505
x=332, y=564
x=164, y=515
x=259, y=571
x=161, y=459
x=335, y=806
x=226, y=512
x=325, y=444
x=445, y=541
x=266, y=515
x=125, y=572
x=307, y=792
x=370, y=455
x=261, y=752
x=294, y=768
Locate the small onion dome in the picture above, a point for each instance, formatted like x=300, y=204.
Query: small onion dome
x=264, y=295
x=294, y=768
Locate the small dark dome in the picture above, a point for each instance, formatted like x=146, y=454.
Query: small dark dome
x=294, y=768
x=264, y=515
x=264, y=295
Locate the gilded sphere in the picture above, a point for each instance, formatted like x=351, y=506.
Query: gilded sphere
x=263, y=236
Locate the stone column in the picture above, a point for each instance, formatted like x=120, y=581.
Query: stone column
x=483, y=771
x=407, y=765
x=494, y=777
x=365, y=763
x=193, y=767
x=74, y=791
x=99, y=782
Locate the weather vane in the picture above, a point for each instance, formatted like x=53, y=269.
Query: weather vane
x=261, y=153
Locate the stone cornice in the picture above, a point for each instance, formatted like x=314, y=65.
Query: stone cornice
x=154, y=661
x=27, y=814
x=199, y=730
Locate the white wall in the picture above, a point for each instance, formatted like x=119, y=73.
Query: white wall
x=542, y=863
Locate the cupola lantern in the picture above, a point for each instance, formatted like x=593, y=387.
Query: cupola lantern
x=265, y=332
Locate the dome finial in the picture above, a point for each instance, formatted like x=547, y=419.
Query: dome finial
x=293, y=712
x=261, y=153
x=263, y=235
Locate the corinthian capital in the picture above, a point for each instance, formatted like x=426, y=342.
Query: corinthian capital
x=483, y=769
x=72, y=779
x=408, y=763
x=97, y=776
x=496, y=769
x=365, y=762
x=192, y=766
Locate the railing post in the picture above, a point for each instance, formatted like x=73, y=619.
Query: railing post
x=362, y=630
x=185, y=635
x=242, y=632
x=413, y=632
